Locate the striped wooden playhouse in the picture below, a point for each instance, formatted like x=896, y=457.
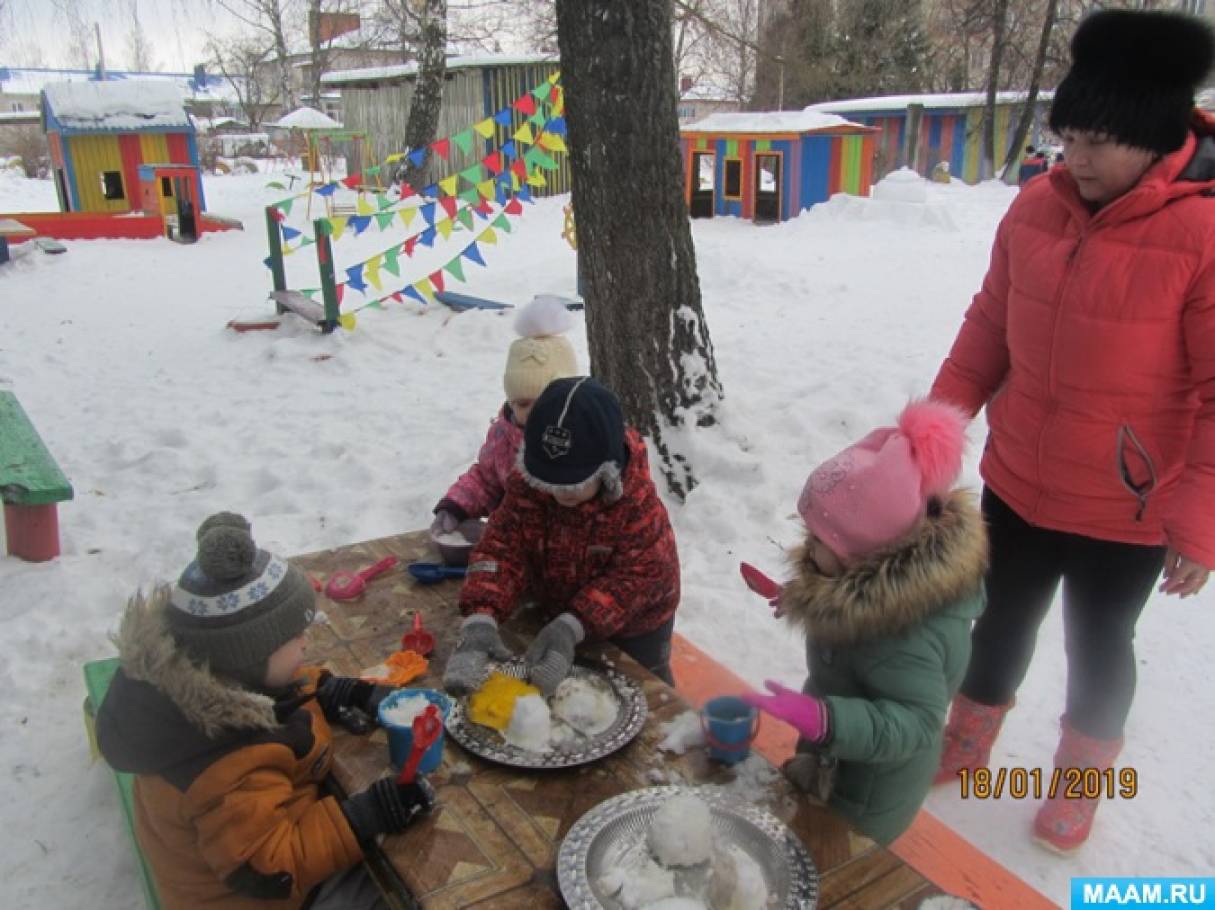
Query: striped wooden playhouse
x=121, y=146
x=769, y=166
x=918, y=131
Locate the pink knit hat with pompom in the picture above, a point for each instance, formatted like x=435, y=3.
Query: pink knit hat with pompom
x=876, y=491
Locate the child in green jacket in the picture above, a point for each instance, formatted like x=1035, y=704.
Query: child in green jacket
x=886, y=586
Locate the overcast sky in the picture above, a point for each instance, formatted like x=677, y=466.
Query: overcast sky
x=35, y=31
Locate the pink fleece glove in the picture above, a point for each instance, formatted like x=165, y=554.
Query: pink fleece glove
x=805, y=713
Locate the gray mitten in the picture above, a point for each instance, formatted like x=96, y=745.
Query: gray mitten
x=479, y=641
x=551, y=655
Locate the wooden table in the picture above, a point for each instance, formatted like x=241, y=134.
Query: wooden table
x=493, y=840
x=10, y=227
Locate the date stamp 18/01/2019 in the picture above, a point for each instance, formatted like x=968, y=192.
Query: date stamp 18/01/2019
x=1033, y=783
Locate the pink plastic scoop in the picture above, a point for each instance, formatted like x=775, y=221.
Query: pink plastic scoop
x=349, y=585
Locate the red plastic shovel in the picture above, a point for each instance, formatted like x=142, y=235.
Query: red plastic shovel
x=426, y=729
x=419, y=640
x=764, y=586
x=349, y=585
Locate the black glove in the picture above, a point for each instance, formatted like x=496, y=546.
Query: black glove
x=337, y=694
x=387, y=807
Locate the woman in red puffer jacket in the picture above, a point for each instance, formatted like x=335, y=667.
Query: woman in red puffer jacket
x=1092, y=345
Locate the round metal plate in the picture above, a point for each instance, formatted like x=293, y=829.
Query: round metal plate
x=611, y=835
x=579, y=749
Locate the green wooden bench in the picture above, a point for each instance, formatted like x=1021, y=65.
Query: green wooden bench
x=31, y=484
x=97, y=676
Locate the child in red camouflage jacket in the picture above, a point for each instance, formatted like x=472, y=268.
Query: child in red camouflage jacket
x=582, y=529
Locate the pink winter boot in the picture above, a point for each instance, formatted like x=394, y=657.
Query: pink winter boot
x=1065, y=820
x=969, y=736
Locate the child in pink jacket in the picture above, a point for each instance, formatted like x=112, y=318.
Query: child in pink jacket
x=541, y=354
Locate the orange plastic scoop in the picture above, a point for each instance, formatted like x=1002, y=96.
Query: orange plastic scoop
x=402, y=667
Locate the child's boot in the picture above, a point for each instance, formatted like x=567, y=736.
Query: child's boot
x=1063, y=823
x=969, y=736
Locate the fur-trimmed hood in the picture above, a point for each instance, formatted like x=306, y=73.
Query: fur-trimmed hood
x=162, y=708
x=894, y=588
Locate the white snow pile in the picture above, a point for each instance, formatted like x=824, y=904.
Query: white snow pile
x=587, y=707
x=403, y=711
x=530, y=726
x=307, y=118
x=682, y=733
x=681, y=832
x=901, y=199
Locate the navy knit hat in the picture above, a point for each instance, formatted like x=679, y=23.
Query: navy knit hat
x=1133, y=77
x=574, y=432
x=234, y=604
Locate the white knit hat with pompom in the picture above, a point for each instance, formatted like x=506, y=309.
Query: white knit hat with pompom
x=542, y=353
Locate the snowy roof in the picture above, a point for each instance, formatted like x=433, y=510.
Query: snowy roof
x=307, y=118
x=31, y=81
x=400, y=71
x=18, y=116
x=768, y=122
x=706, y=92
x=107, y=106
x=947, y=100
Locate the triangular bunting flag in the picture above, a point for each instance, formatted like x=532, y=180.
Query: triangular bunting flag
x=484, y=209
x=466, y=218
x=341, y=292
x=277, y=214
x=383, y=201
x=472, y=196
x=410, y=243
x=354, y=277
x=412, y=293
x=556, y=126
x=396, y=295
x=542, y=90
x=553, y=143
x=305, y=242
x=327, y=190
x=407, y=215
x=472, y=252
x=391, y=263
x=493, y=163
x=509, y=151
x=374, y=171
x=363, y=207
x=385, y=219
x=537, y=120
x=310, y=293
x=285, y=205
x=503, y=117
x=525, y=194
x=417, y=157
x=405, y=190
x=536, y=179
x=442, y=148
x=448, y=184
x=426, y=288
x=524, y=134
x=501, y=223
x=288, y=250
x=519, y=168
x=449, y=205
x=456, y=270
x=445, y=228
x=436, y=278
x=514, y=207
x=394, y=157
x=338, y=226
x=352, y=181
x=486, y=188
x=428, y=212
x=525, y=104
x=463, y=140
x=472, y=174
x=430, y=191
x=289, y=233
x=372, y=272
x=485, y=129
x=427, y=237
x=360, y=223
x=488, y=236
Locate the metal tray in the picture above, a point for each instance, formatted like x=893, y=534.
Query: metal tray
x=579, y=749
x=611, y=835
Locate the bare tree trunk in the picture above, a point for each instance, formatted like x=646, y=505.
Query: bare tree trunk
x=428, y=88
x=316, y=56
x=999, y=21
x=1031, y=100
x=648, y=337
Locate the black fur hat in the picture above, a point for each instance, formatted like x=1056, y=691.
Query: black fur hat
x=1133, y=77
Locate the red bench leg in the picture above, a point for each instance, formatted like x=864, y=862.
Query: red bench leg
x=32, y=531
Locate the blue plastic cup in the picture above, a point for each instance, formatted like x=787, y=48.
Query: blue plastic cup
x=730, y=726
x=400, y=737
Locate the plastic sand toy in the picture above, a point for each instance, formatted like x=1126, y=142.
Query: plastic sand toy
x=493, y=704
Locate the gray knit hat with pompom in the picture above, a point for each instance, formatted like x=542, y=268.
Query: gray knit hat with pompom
x=235, y=605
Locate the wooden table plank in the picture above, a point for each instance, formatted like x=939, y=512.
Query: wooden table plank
x=494, y=838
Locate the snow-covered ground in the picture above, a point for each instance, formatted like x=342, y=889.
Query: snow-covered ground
x=823, y=327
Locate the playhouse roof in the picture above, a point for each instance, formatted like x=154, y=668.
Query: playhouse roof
x=307, y=118
x=104, y=107
x=200, y=87
x=768, y=122
x=405, y=70
x=945, y=101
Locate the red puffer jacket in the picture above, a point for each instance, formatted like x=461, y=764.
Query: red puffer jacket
x=1092, y=343
x=614, y=565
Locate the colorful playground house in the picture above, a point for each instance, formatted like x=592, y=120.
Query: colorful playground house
x=121, y=149
x=769, y=166
x=919, y=131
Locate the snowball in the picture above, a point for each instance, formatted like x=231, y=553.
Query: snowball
x=530, y=724
x=682, y=733
x=402, y=712
x=639, y=886
x=676, y=903
x=738, y=881
x=584, y=705
x=681, y=832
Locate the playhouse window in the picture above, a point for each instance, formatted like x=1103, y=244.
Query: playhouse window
x=111, y=185
x=733, y=178
x=166, y=186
